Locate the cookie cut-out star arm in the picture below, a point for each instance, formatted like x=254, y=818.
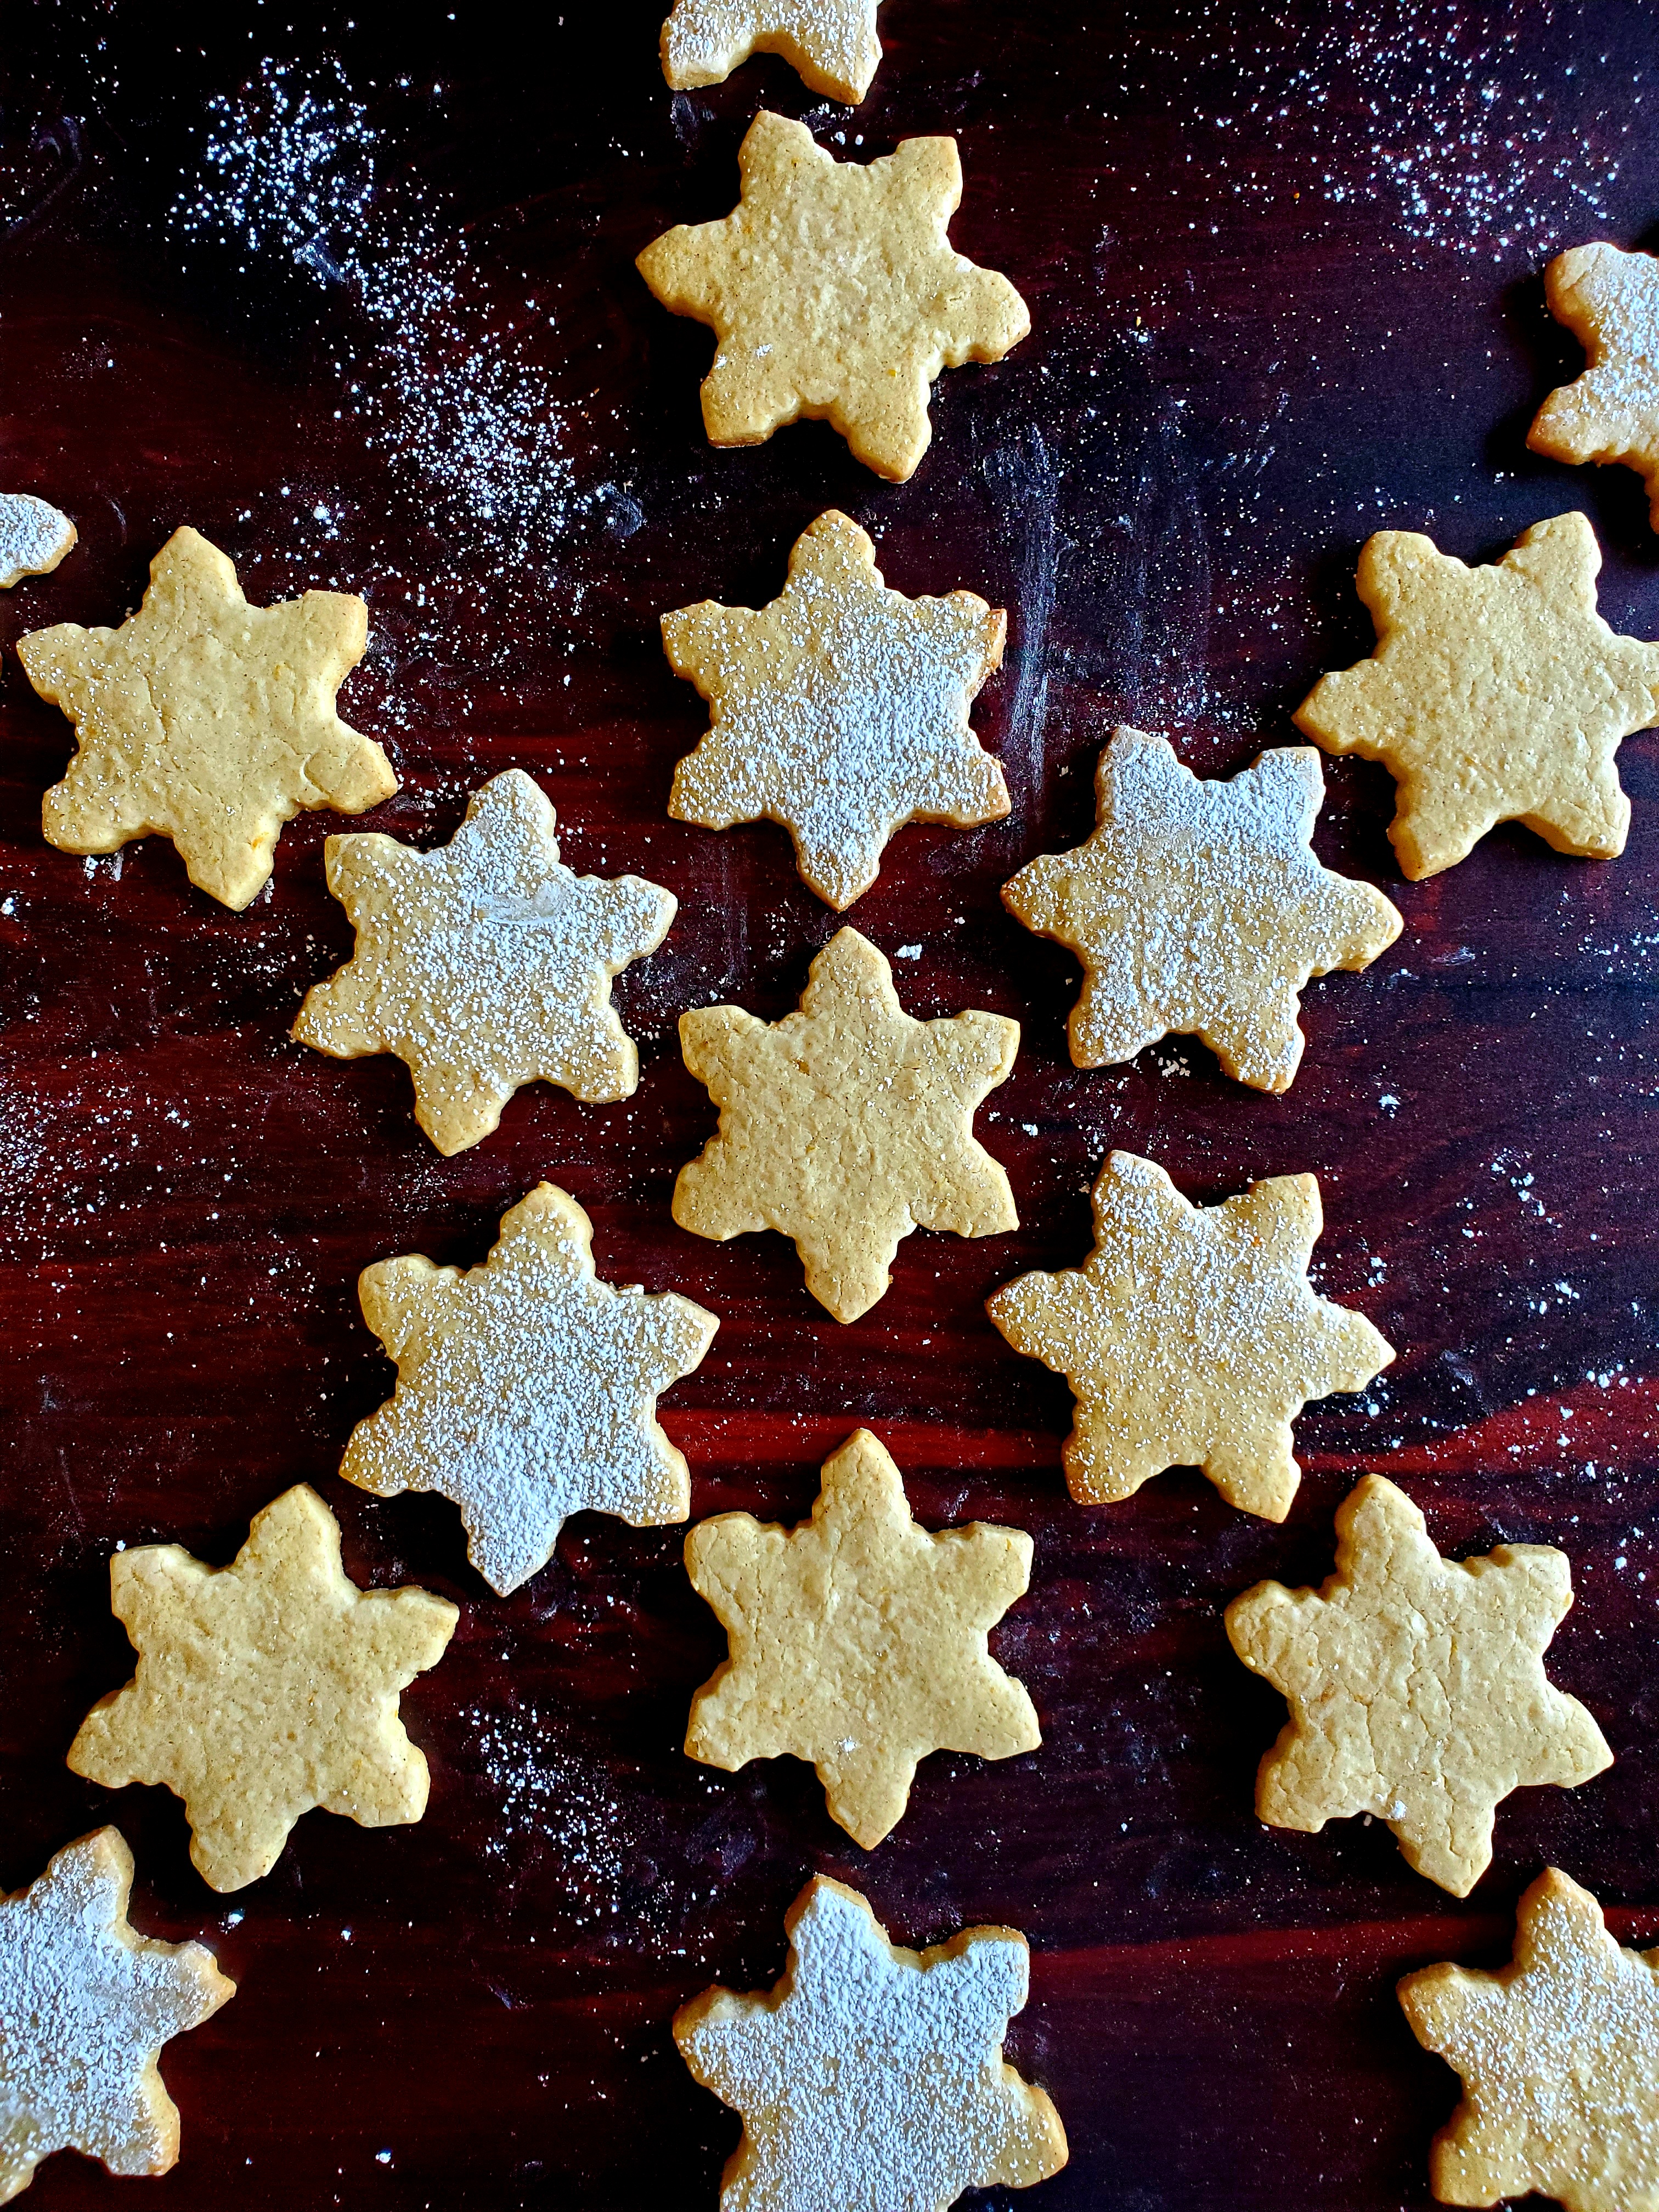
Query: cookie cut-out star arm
x=206, y=720
x=831, y=44
x=1610, y=300
x=1416, y=1688
x=835, y=293
x=34, y=537
x=859, y=1641
x=1494, y=694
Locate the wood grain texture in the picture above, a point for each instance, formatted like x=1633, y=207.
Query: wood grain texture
x=1284, y=267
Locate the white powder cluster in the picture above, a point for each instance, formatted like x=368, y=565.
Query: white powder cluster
x=450, y=392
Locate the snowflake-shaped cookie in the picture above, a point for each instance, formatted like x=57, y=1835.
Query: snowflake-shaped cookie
x=1199, y=909
x=484, y=965
x=1610, y=302
x=86, y=2004
x=1559, y=2056
x=835, y=293
x=846, y=1125
x=831, y=43
x=34, y=537
x=1494, y=694
x=206, y=720
x=873, y=2077
x=527, y=1388
x=1191, y=1336
x=840, y=710
x=857, y=1640
x=1416, y=1686
x=263, y=1688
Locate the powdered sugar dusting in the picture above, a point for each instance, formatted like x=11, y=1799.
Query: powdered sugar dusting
x=526, y=1390
x=485, y=965
x=871, y=2077
x=34, y=536
x=85, y=2005
x=840, y=710
x=703, y=40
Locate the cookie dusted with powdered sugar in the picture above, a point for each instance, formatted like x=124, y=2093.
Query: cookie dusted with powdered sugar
x=1610, y=302
x=831, y=44
x=840, y=710
x=34, y=537
x=873, y=2076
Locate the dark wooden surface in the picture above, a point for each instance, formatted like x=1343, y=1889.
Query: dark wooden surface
x=1283, y=267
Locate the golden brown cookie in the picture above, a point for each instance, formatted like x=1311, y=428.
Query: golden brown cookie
x=86, y=2004
x=835, y=293
x=1559, y=2056
x=846, y=1125
x=263, y=1688
x=1610, y=302
x=206, y=720
x=34, y=538
x=484, y=965
x=1416, y=1686
x=873, y=2076
x=1199, y=909
x=527, y=1388
x=858, y=1641
x=831, y=43
x=840, y=710
x=1191, y=1336
x=1494, y=694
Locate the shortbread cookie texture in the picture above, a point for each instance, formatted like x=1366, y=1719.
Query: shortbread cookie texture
x=1559, y=2053
x=485, y=965
x=263, y=1688
x=873, y=2076
x=527, y=1388
x=1610, y=302
x=832, y=44
x=835, y=293
x=846, y=1125
x=840, y=710
x=1191, y=1337
x=86, y=2004
x=1199, y=909
x=1416, y=1686
x=1494, y=694
x=206, y=720
x=34, y=538
x=858, y=1641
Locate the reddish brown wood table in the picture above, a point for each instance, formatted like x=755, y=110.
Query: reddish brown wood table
x=360, y=304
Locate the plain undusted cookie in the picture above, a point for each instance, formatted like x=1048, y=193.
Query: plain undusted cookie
x=831, y=43
x=1610, y=302
x=835, y=293
x=1416, y=1686
x=86, y=2004
x=840, y=710
x=873, y=2076
x=1199, y=909
x=206, y=720
x=1191, y=1336
x=858, y=1641
x=263, y=1688
x=1494, y=694
x=846, y=1125
x=34, y=538
x=1559, y=2056
x=527, y=1388
x=484, y=965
